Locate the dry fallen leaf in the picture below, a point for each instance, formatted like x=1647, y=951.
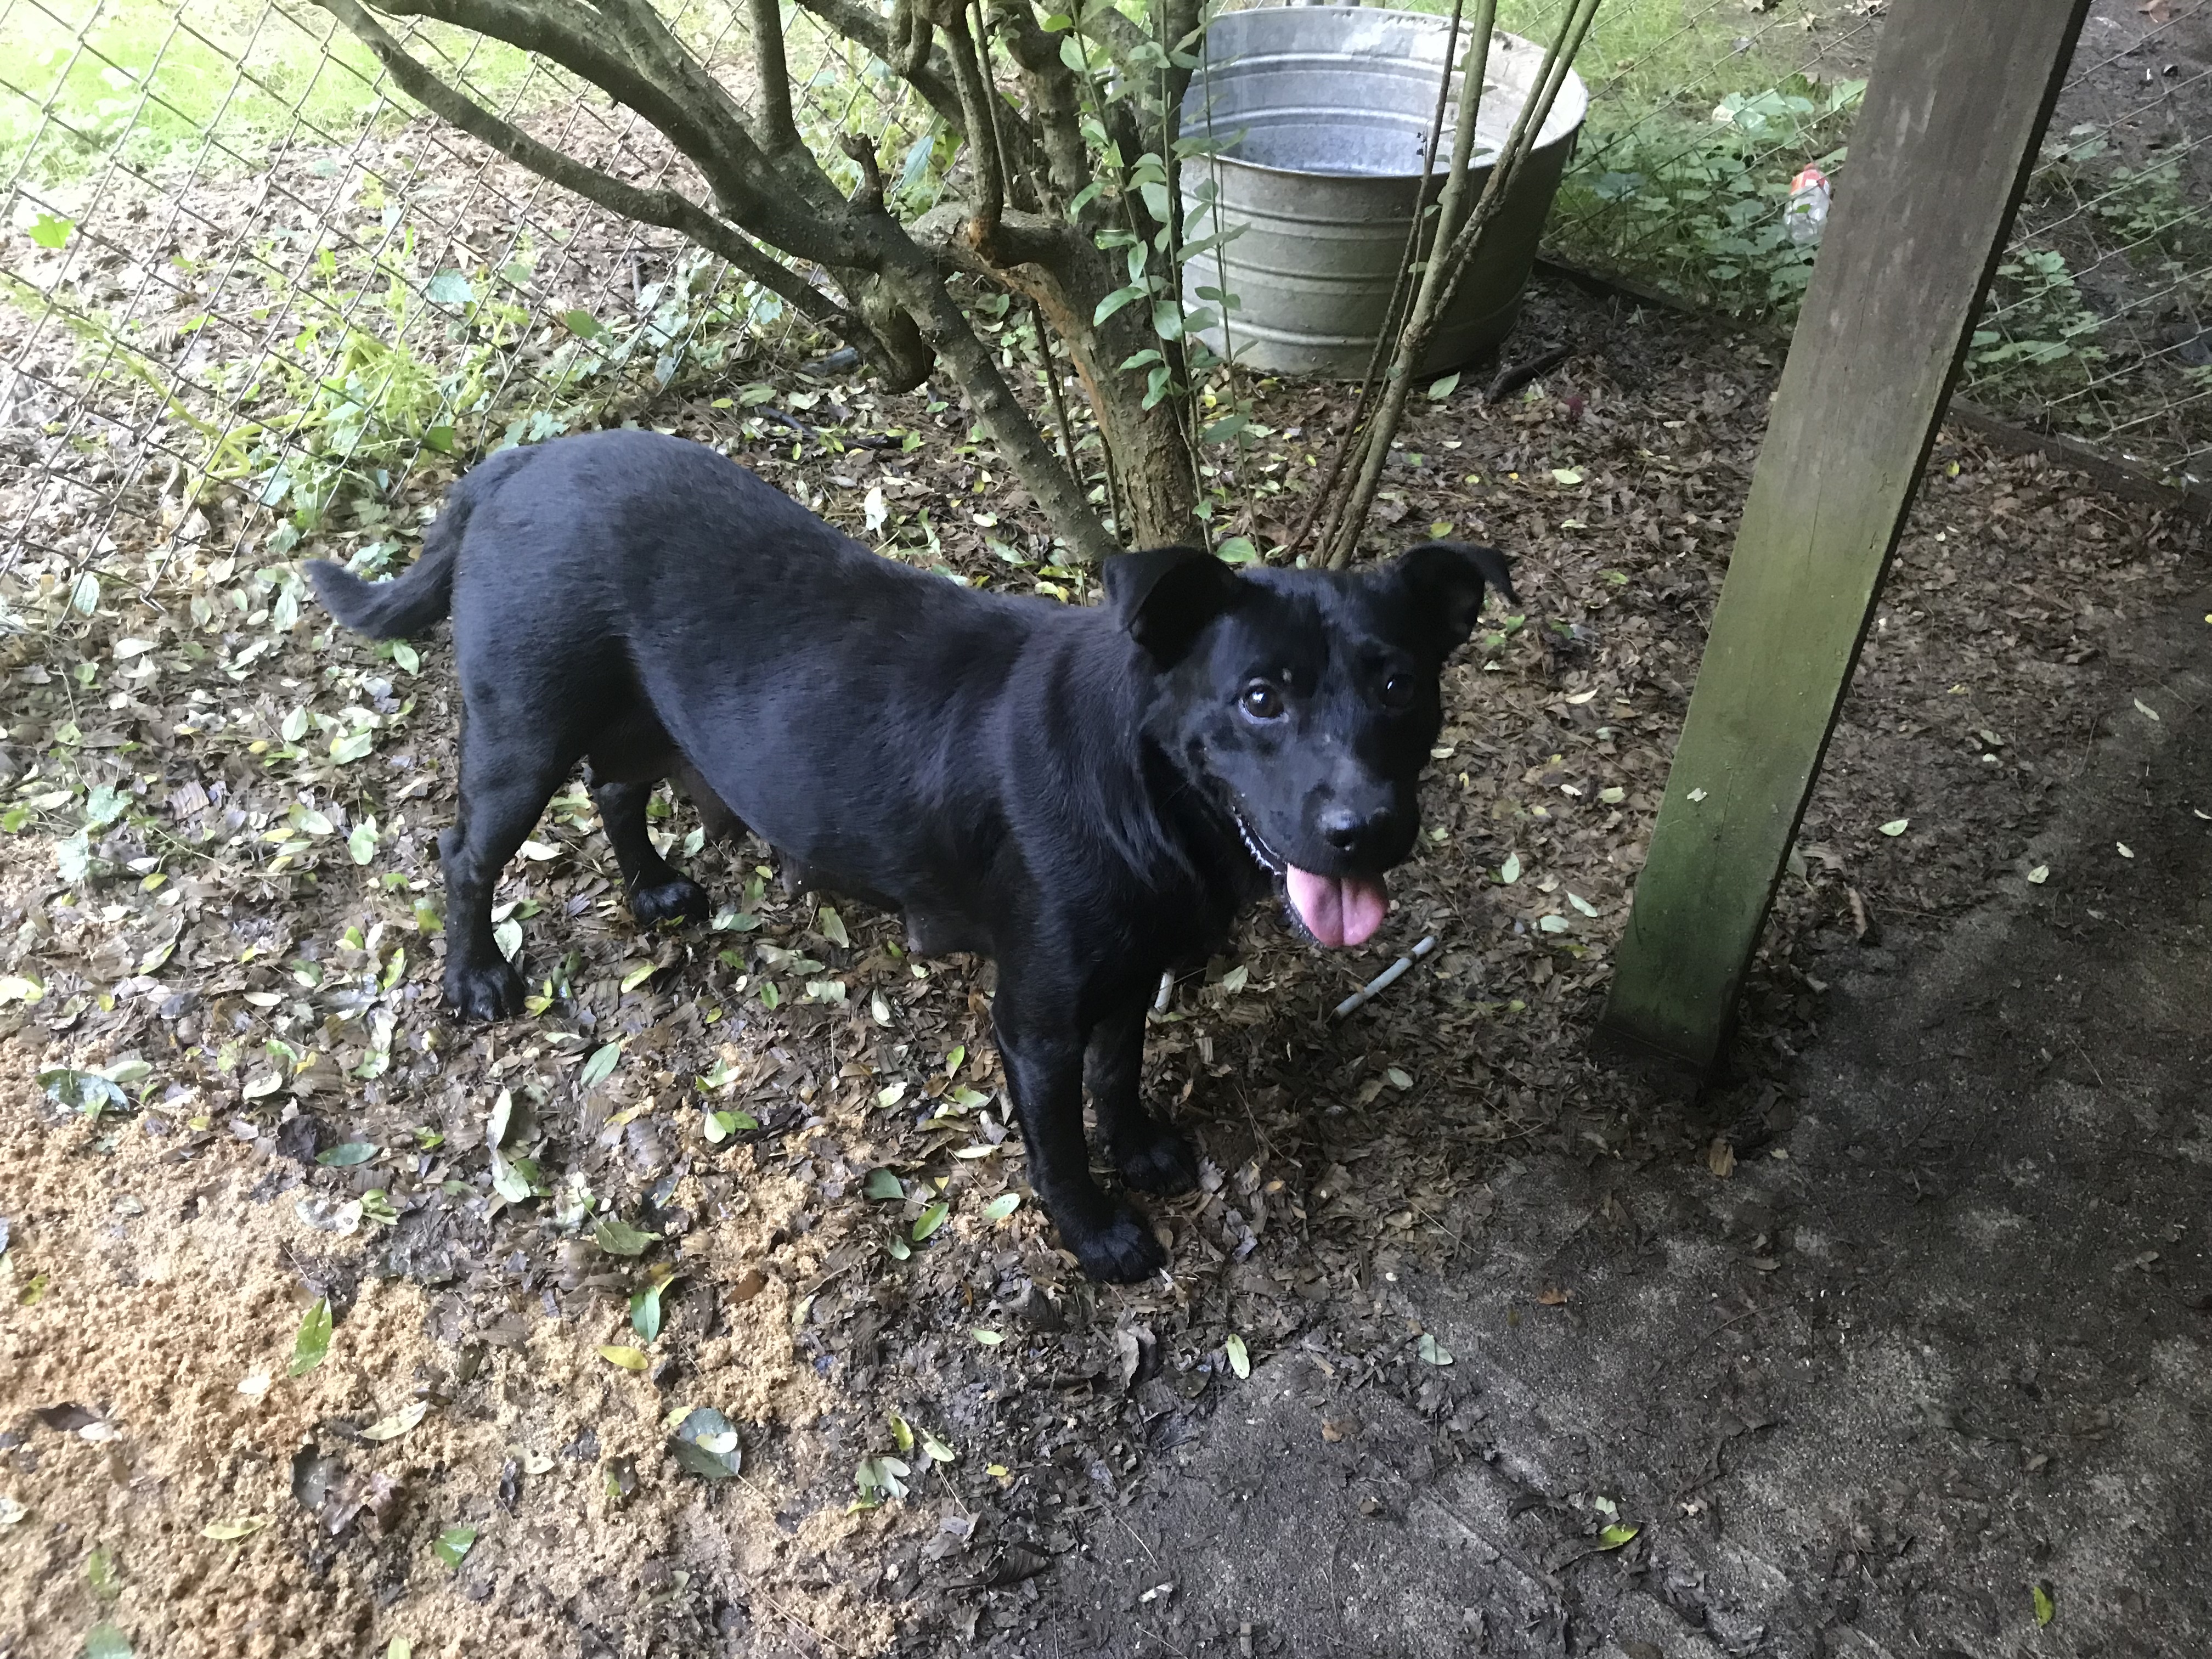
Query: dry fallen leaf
x=1720, y=1157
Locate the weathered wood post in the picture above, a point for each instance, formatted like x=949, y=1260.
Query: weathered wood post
x=1941, y=153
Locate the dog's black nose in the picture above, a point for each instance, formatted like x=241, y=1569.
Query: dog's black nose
x=1347, y=829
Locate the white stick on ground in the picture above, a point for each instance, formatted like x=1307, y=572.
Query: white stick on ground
x=1383, y=981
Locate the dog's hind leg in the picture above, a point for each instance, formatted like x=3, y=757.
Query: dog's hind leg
x=506, y=781
x=1043, y=1053
x=658, y=892
x=1151, y=1156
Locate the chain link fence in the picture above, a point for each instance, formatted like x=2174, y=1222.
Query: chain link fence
x=246, y=289
x=1704, y=111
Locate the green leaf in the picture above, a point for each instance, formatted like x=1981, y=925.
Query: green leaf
x=600, y=1066
x=1567, y=475
x=931, y=1219
x=629, y=1358
x=450, y=288
x=1237, y=549
x=1510, y=872
x=1433, y=1350
x=361, y=841
x=706, y=1445
x=2046, y=1607
x=882, y=1183
x=1615, y=1536
x=48, y=231
x=514, y=1179
x=1440, y=390
x=105, y=1642
x=454, y=1544
x=1167, y=319
x=313, y=1344
x=80, y=1092
x=583, y=324
x=988, y=1339
x=105, y=805
x=831, y=926
x=1119, y=298
x=936, y=1450
x=617, y=1238
x=345, y=1156
x=645, y=1308
x=879, y=1477
x=1240, y=1361
x=1002, y=1207
x=409, y=658
x=1896, y=826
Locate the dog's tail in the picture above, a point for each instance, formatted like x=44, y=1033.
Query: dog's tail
x=419, y=601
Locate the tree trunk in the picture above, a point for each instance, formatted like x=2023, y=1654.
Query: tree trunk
x=1032, y=225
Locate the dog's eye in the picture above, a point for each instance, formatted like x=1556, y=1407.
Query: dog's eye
x=1263, y=701
x=1398, y=691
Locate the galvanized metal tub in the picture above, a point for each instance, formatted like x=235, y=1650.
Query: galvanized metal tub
x=1322, y=115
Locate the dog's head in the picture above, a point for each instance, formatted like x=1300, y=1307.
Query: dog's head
x=1305, y=703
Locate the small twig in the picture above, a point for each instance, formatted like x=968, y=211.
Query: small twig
x=871, y=192
x=1509, y=380
x=1383, y=981
x=1053, y=390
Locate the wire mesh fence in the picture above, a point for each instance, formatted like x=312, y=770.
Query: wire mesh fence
x=247, y=289
x=1704, y=111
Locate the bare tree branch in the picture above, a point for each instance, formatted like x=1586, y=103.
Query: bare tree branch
x=775, y=72
x=932, y=76
x=577, y=38
x=973, y=364
x=654, y=207
x=990, y=201
x=1052, y=95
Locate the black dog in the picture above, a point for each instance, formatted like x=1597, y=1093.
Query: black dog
x=1088, y=795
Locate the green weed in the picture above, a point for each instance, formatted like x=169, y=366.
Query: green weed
x=1696, y=206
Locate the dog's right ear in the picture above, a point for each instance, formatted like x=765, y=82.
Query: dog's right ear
x=1166, y=595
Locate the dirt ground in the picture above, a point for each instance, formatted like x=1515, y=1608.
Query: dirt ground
x=1497, y=1272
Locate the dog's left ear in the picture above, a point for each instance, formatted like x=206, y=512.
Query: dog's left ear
x=1166, y=595
x=1446, y=582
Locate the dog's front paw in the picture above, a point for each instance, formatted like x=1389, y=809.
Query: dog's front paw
x=479, y=991
x=1122, y=1250
x=680, y=900
x=1156, y=1159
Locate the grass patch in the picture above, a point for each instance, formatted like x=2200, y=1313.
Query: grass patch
x=148, y=81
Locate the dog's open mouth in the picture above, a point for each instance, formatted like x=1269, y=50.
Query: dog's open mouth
x=1336, y=910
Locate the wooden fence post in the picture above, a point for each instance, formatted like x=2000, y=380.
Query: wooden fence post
x=1940, y=154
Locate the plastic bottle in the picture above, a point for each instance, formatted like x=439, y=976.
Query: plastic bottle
x=1807, y=214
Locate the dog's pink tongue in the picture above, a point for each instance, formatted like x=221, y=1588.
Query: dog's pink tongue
x=1338, y=910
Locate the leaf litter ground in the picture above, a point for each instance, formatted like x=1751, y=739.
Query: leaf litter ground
x=763, y=1171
